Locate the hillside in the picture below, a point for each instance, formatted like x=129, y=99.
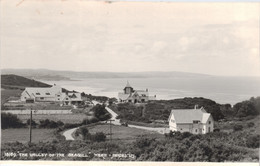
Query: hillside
x=44, y=74
x=18, y=82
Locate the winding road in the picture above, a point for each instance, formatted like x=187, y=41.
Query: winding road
x=161, y=130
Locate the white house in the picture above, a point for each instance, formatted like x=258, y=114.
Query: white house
x=39, y=94
x=50, y=94
x=71, y=98
x=134, y=96
x=196, y=121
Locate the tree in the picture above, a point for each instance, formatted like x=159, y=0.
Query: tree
x=245, y=108
x=100, y=112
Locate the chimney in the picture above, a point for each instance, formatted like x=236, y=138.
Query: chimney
x=196, y=106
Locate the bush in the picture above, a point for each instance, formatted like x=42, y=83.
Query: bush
x=83, y=131
x=250, y=124
x=34, y=124
x=237, y=128
x=216, y=130
x=50, y=124
x=100, y=112
x=10, y=121
x=98, y=137
x=253, y=141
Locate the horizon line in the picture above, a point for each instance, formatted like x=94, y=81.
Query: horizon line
x=62, y=70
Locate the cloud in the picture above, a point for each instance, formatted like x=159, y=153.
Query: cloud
x=132, y=36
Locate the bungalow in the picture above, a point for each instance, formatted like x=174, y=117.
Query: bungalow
x=50, y=94
x=41, y=94
x=196, y=121
x=134, y=96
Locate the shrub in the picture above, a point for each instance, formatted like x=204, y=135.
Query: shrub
x=253, y=141
x=98, y=137
x=216, y=130
x=250, y=124
x=50, y=124
x=100, y=112
x=10, y=121
x=237, y=128
x=83, y=131
x=33, y=123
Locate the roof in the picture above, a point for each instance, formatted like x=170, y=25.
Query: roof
x=123, y=96
x=72, y=96
x=43, y=92
x=128, y=85
x=189, y=115
x=141, y=92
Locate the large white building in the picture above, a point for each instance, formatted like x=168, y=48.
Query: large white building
x=134, y=96
x=196, y=121
x=50, y=94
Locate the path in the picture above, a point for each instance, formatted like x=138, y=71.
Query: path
x=68, y=134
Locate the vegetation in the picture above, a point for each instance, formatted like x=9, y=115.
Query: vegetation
x=10, y=121
x=177, y=146
x=100, y=112
x=97, y=137
x=18, y=82
x=102, y=99
x=130, y=112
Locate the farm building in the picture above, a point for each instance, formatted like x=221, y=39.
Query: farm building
x=50, y=94
x=196, y=121
x=134, y=96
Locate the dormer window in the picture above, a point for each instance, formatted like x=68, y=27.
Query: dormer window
x=196, y=121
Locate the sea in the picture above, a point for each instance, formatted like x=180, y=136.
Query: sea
x=223, y=90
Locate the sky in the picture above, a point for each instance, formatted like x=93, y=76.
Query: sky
x=209, y=38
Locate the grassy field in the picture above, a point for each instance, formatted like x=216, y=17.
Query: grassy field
x=123, y=133
x=65, y=118
x=22, y=135
x=6, y=93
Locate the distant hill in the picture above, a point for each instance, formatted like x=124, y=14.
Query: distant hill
x=18, y=82
x=54, y=75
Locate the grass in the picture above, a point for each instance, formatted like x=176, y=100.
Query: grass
x=65, y=118
x=22, y=135
x=147, y=124
x=123, y=133
x=36, y=106
x=6, y=93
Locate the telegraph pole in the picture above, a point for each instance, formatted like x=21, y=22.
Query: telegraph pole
x=110, y=132
x=30, y=126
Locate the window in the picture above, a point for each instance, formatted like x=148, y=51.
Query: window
x=58, y=95
x=38, y=93
x=41, y=98
x=196, y=130
x=209, y=129
x=173, y=121
x=209, y=122
x=196, y=121
x=47, y=93
x=181, y=128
